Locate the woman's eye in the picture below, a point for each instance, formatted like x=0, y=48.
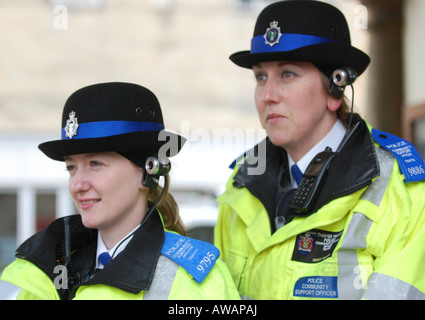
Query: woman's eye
x=95, y=164
x=70, y=168
x=260, y=77
x=288, y=74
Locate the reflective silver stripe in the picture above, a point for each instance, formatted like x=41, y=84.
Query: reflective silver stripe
x=375, y=192
x=383, y=287
x=350, y=284
x=163, y=279
x=349, y=281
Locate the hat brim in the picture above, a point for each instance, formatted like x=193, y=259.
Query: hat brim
x=335, y=54
x=148, y=142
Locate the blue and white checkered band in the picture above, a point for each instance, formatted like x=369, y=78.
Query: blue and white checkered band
x=284, y=42
x=103, y=129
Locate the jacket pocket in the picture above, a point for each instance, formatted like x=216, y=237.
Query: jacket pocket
x=236, y=264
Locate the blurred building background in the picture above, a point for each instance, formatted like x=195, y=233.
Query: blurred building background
x=179, y=49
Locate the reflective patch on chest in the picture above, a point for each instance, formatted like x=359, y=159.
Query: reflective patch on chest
x=315, y=245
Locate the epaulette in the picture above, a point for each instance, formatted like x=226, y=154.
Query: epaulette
x=195, y=256
x=409, y=160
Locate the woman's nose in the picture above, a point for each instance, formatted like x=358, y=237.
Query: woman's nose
x=79, y=182
x=271, y=91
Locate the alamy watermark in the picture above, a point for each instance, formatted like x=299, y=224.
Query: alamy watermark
x=218, y=139
x=60, y=17
x=362, y=17
x=61, y=280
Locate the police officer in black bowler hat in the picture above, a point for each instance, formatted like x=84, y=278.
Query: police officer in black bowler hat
x=326, y=207
x=128, y=240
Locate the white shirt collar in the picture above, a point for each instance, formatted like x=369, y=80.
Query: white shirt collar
x=113, y=252
x=332, y=139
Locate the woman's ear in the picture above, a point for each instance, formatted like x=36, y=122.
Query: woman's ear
x=333, y=103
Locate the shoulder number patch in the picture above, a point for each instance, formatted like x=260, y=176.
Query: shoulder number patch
x=195, y=256
x=409, y=160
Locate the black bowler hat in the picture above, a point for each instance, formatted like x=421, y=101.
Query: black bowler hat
x=121, y=117
x=309, y=31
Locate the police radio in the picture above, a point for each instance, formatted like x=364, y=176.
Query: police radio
x=154, y=168
x=341, y=78
x=311, y=182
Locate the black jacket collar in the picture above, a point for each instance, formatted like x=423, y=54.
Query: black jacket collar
x=132, y=270
x=352, y=169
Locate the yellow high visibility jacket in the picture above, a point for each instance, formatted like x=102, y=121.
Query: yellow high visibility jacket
x=364, y=239
x=153, y=266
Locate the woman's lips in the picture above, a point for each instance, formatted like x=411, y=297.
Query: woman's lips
x=88, y=203
x=274, y=117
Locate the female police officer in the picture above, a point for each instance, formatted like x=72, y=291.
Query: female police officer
x=115, y=150
x=353, y=226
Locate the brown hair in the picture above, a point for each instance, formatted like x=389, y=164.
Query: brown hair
x=343, y=112
x=168, y=208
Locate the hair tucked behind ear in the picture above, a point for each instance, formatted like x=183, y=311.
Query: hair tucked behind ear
x=344, y=112
x=168, y=208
